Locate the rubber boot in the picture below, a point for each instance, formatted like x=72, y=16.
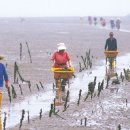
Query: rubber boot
x=1, y=97
x=63, y=84
x=113, y=64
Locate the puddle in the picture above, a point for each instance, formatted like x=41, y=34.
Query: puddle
x=43, y=100
x=32, y=104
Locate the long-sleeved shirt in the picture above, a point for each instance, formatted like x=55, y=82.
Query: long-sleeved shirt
x=111, y=44
x=3, y=74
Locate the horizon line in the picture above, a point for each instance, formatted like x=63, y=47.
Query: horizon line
x=60, y=16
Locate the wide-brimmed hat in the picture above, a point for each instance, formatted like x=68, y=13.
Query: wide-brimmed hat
x=1, y=57
x=61, y=46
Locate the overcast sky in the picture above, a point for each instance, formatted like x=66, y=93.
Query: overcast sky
x=36, y=8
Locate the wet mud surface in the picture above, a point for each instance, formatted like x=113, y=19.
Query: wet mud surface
x=42, y=37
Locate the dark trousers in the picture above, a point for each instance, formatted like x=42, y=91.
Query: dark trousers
x=63, y=84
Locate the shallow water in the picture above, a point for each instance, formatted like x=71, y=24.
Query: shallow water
x=34, y=103
x=108, y=28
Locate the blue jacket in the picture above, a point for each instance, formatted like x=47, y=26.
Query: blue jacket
x=3, y=74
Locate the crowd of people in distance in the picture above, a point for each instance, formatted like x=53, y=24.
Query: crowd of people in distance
x=114, y=23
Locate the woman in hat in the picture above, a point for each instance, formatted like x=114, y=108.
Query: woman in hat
x=61, y=59
x=3, y=76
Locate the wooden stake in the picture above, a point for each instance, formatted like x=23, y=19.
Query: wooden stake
x=79, y=97
x=29, y=52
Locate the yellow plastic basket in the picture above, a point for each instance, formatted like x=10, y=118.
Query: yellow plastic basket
x=63, y=73
x=111, y=54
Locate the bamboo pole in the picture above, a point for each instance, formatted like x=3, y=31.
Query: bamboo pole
x=65, y=105
x=4, y=123
x=14, y=95
x=21, y=89
x=22, y=118
x=29, y=52
x=80, y=67
x=28, y=117
x=41, y=85
x=40, y=114
x=20, y=51
x=50, y=113
x=79, y=97
x=37, y=87
x=9, y=94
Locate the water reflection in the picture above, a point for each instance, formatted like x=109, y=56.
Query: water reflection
x=111, y=72
x=121, y=30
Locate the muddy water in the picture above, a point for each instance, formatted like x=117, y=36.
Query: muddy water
x=34, y=103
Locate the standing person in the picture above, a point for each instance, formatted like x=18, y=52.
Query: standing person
x=61, y=59
x=118, y=22
x=89, y=20
x=111, y=43
x=103, y=22
x=95, y=20
x=3, y=76
x=112, y=23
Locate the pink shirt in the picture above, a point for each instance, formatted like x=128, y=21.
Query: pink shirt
x=60, y=59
